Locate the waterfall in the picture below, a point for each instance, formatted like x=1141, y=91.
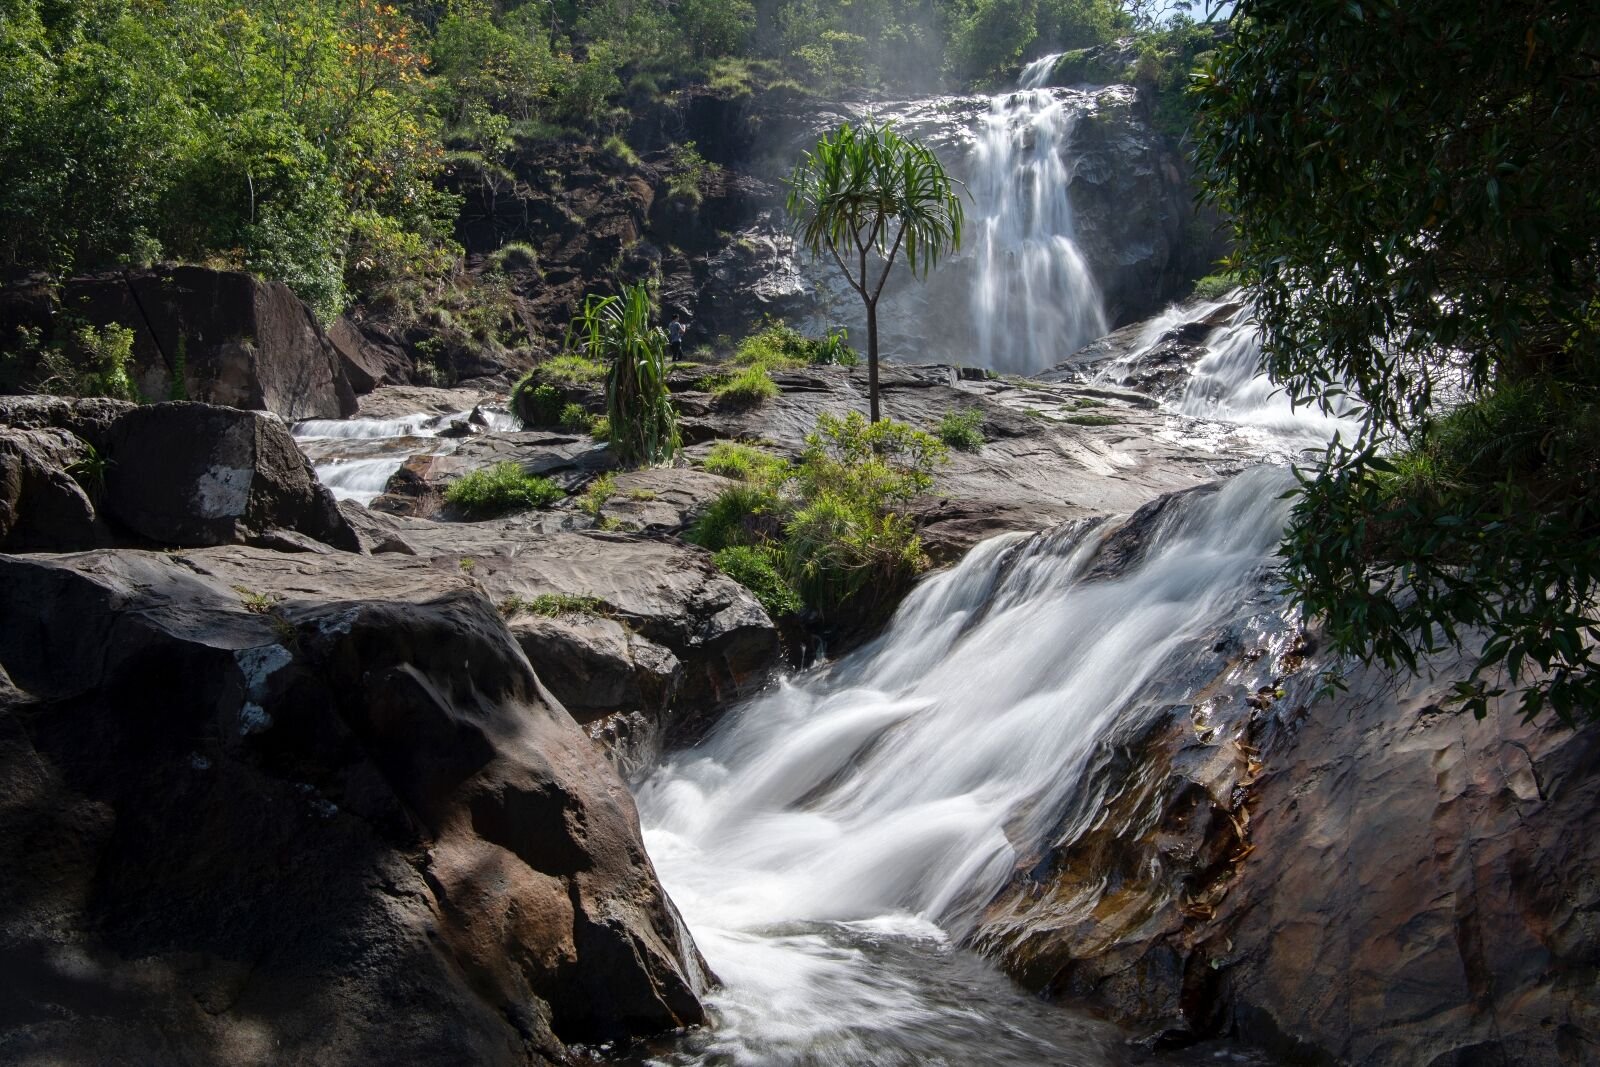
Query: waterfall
x=835, y=839
x=1033, y=300
x=897, y=790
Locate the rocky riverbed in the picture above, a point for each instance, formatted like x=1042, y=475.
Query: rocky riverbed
x=289, y=775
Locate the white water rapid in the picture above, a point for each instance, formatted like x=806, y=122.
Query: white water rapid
x=356, y=457
x=1034, y=300
x=833, y=841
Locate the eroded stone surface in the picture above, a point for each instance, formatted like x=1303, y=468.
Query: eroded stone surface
x=329, y=814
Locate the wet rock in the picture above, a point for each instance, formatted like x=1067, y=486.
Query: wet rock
x=329, y=814
x=1362, y=878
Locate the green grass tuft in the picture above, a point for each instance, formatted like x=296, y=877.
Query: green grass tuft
x=744, y=462
x=551, y=605
x=751, y=386
x=499, y=489
x=757, y=569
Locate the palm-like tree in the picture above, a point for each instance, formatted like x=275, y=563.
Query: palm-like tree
x=864, y=195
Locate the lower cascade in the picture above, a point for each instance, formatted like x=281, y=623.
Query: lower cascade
x=834, y=839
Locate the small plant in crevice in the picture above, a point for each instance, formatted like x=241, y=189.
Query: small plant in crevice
x=595, y=498
x=962, y=430
x=256, y=603
x=499, y=489
x=552, y=605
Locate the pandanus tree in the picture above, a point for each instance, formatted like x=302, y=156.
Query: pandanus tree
x=865, y=195
x=616, y=330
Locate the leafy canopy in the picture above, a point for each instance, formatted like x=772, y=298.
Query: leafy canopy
x=1416, y=215
x=868, y=193
x=865, y=195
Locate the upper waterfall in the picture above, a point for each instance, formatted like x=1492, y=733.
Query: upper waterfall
x=1034, y=298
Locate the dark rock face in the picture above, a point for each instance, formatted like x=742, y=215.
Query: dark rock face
x=231, y=338
x=1133, y=201
x=1452, y=868
x=367, y=362
x=193, y=474
x=41, y=505
x=596, y=666
x=178, y=474
x=1358, y=879
x=328, y=815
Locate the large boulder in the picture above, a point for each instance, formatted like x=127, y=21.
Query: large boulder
x=77, y=474
x=194, y=474
x=263, y=808
x=225, y=337
x=367, y=362
x=666, y=592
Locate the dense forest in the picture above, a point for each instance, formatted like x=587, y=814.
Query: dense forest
x=303, y=139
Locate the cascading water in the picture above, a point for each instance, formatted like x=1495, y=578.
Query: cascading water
x=835, y=840
x=1034, y=300
x=884, y=801
x=355, y=458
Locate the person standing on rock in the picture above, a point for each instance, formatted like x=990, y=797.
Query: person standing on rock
x=675, y=338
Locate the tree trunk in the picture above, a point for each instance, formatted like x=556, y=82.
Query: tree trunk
x=872, y=357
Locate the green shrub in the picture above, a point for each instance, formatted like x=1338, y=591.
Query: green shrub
x=829, y=524
x=537, y=403
x=570, y=368
x=962, y=429
x=740, y=515
x=751, y=386
x=1215, y=286
x=778, y=346
x=94, y=363
x=600, y=428
x=575, y=419
x=690, y=174
x=757, y=569
x=1091, y=420
x=501, y=488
